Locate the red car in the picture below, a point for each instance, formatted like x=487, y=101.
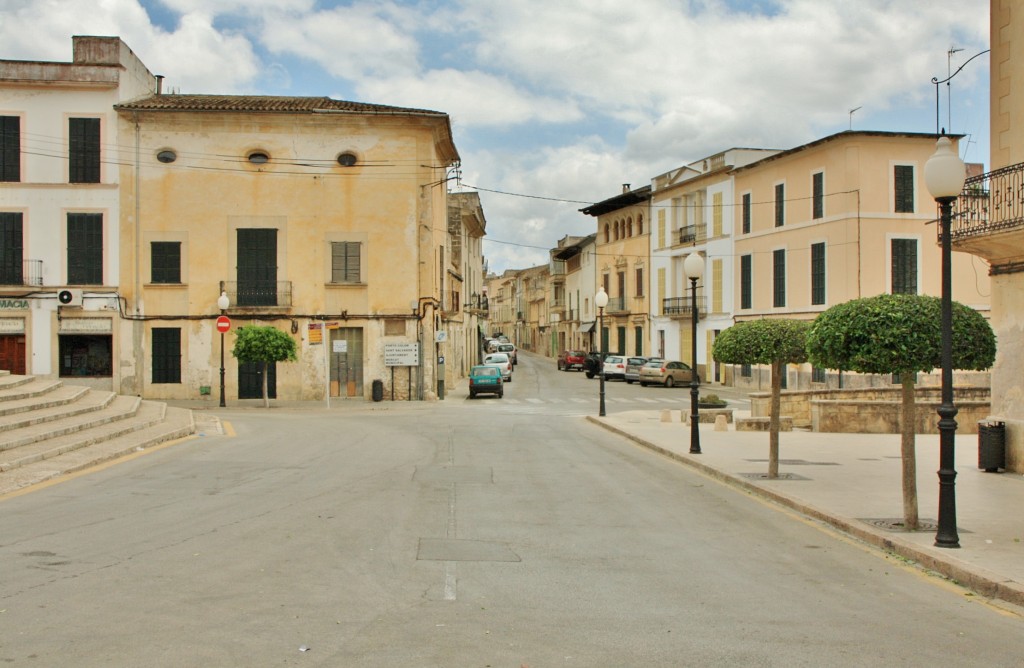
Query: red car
x=571, y=359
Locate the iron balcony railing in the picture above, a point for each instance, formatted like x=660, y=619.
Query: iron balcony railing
x=990, y=203
x=692, y=234
x=26, y=272
x=616, y=304
x=683, y=306
x=257, y=293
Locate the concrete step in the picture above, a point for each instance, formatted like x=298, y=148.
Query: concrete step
x=64, y=401
x=175, y=423
x=14, y=387
x=119, y=409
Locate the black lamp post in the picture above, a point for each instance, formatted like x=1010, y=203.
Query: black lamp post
x=600, y=301
x=222, y=303
x=693, y=267
x=944, y=174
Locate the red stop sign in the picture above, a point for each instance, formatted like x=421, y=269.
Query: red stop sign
x=223, y=324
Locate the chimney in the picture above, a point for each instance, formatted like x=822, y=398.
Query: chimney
x=159, y=84
x=625, y=187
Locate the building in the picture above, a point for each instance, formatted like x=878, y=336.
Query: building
x=692, y=211
x=623, y=260
x=573, y=276
x=60, y=147
x=989, y=223
x=324, y=218
x=843, y=217
x=465, y=297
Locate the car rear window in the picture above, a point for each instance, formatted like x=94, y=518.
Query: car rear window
x=487, y=371
x=636, y=361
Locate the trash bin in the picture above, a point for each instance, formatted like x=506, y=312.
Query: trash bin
x=378, y=390
x=991, y=445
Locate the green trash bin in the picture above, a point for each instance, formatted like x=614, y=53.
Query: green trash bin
x=991, y=445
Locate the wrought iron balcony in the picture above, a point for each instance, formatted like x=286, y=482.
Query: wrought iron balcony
x=257, y=293
x=616, y=305
x=27, y=272
x=990, y=204
x=692, y=234
x=682, y=307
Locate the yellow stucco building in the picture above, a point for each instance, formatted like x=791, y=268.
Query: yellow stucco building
x=323, y=218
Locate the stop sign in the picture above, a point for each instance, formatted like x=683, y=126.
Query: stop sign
x=223, y=324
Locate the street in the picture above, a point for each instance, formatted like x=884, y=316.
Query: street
x=485, y=532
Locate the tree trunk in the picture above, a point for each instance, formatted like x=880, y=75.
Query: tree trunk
x=773, y=420
x=908, y=420
x=266, y=395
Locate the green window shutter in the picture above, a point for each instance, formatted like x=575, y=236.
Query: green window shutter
x=818, y=273
x=10, y=148
x=84, y=150
x=165, y=262
x=903, y=182
x=11, y=249
x=85, y=249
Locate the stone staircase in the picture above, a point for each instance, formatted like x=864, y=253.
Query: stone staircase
x=48, y=429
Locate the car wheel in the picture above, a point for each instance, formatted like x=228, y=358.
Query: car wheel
x=643, y=384
x=669, y=381
x=629, y=382
x=472, y=395
x=590, y=375
x=501, y=394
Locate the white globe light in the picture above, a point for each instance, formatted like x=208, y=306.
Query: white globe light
x=693, y=265
x=945, y=172
x=601, y=298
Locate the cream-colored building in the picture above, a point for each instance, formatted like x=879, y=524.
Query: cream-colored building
x=989, y=222
x=574, y=284
x=692, y=213
x=843, y=217
x=503, y=302
x=533, y=325
x=623, y=261
x=60, y=144
x=323, y=218
x=465, y=303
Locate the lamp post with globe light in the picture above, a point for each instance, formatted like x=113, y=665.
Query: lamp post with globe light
x=600, y=301
x=222, y=303
x=693, y=267
x=944, y=175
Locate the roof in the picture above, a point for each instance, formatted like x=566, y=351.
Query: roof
x=619, y=202
x=266, y=104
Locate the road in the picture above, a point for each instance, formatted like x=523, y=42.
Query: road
x=491, y=532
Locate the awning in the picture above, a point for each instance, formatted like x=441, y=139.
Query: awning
x=586, y=327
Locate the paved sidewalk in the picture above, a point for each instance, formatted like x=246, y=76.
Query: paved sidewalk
x=847, y=480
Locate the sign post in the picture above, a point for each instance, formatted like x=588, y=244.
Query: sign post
x=223, y=325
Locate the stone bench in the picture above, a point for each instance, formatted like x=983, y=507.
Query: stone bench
x=761, y=423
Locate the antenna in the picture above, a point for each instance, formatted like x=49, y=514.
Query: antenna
x=949, y=97
x=851, y=115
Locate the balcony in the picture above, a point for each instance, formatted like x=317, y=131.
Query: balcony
x=477, y=304
x=988, y=218
x=692, y=234
x=258, y=293
x=682, y=307
x=616, y=305
x=29, y=273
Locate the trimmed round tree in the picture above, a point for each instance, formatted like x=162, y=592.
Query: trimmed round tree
x=899, y=334
x=263, y=344
x=772, y=342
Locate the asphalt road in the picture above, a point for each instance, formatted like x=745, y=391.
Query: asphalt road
x=461, y=533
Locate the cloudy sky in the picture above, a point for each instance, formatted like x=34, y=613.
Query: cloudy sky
x=556, y=103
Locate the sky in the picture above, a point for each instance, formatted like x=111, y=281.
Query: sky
x=555, y=104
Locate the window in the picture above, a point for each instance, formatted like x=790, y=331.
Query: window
x=818, y=273
x=818, y=195
x=346, y=257
x=607, y=233
x=84, y=150
x=716, y=214
x=166, y=355
x=640, y=224
x=661, y=228
x=746, y=213
x=780, y=205
x=746, y=371
x=11, y=249
x=904, y=266
x=85, y=249
x=779, y=278
x=639, y=334
x=347, y=159
x=903, y=183
x=256, y=268
x=817, y=374
x=10, y=148
x=639, y=282
x=85, y=355
x=746, y=281
x=165, y=261
x=717, y=269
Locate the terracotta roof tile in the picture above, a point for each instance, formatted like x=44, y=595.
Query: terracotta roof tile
x=263, y=104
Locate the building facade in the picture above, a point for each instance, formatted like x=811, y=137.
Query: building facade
x=60, y=146
x=323, y=218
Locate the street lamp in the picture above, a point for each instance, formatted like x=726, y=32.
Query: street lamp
x=222, y=303
x=693, y=267
x=600, y=301
x=944, y=174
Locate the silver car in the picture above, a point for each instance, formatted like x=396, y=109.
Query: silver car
x=666, y=373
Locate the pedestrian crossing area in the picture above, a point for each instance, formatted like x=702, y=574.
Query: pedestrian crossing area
x=585, y=401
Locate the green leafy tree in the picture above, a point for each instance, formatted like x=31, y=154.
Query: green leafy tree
x=772, y=342
x=899, y=334
x=254, y=343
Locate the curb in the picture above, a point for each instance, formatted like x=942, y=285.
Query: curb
x=972, y=577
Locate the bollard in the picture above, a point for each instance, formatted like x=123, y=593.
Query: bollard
x=666, y=415
x=721, y=423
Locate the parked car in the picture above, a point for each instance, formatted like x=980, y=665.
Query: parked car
x=510, y=350
x=485, y=379
x=614, y=367
x=666, y=373
x=492, y=345
x=571, y=359
x=633, y=365
x=592, y=365
x=502, y=362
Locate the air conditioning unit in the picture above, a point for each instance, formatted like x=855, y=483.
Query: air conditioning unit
x=69, y=297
